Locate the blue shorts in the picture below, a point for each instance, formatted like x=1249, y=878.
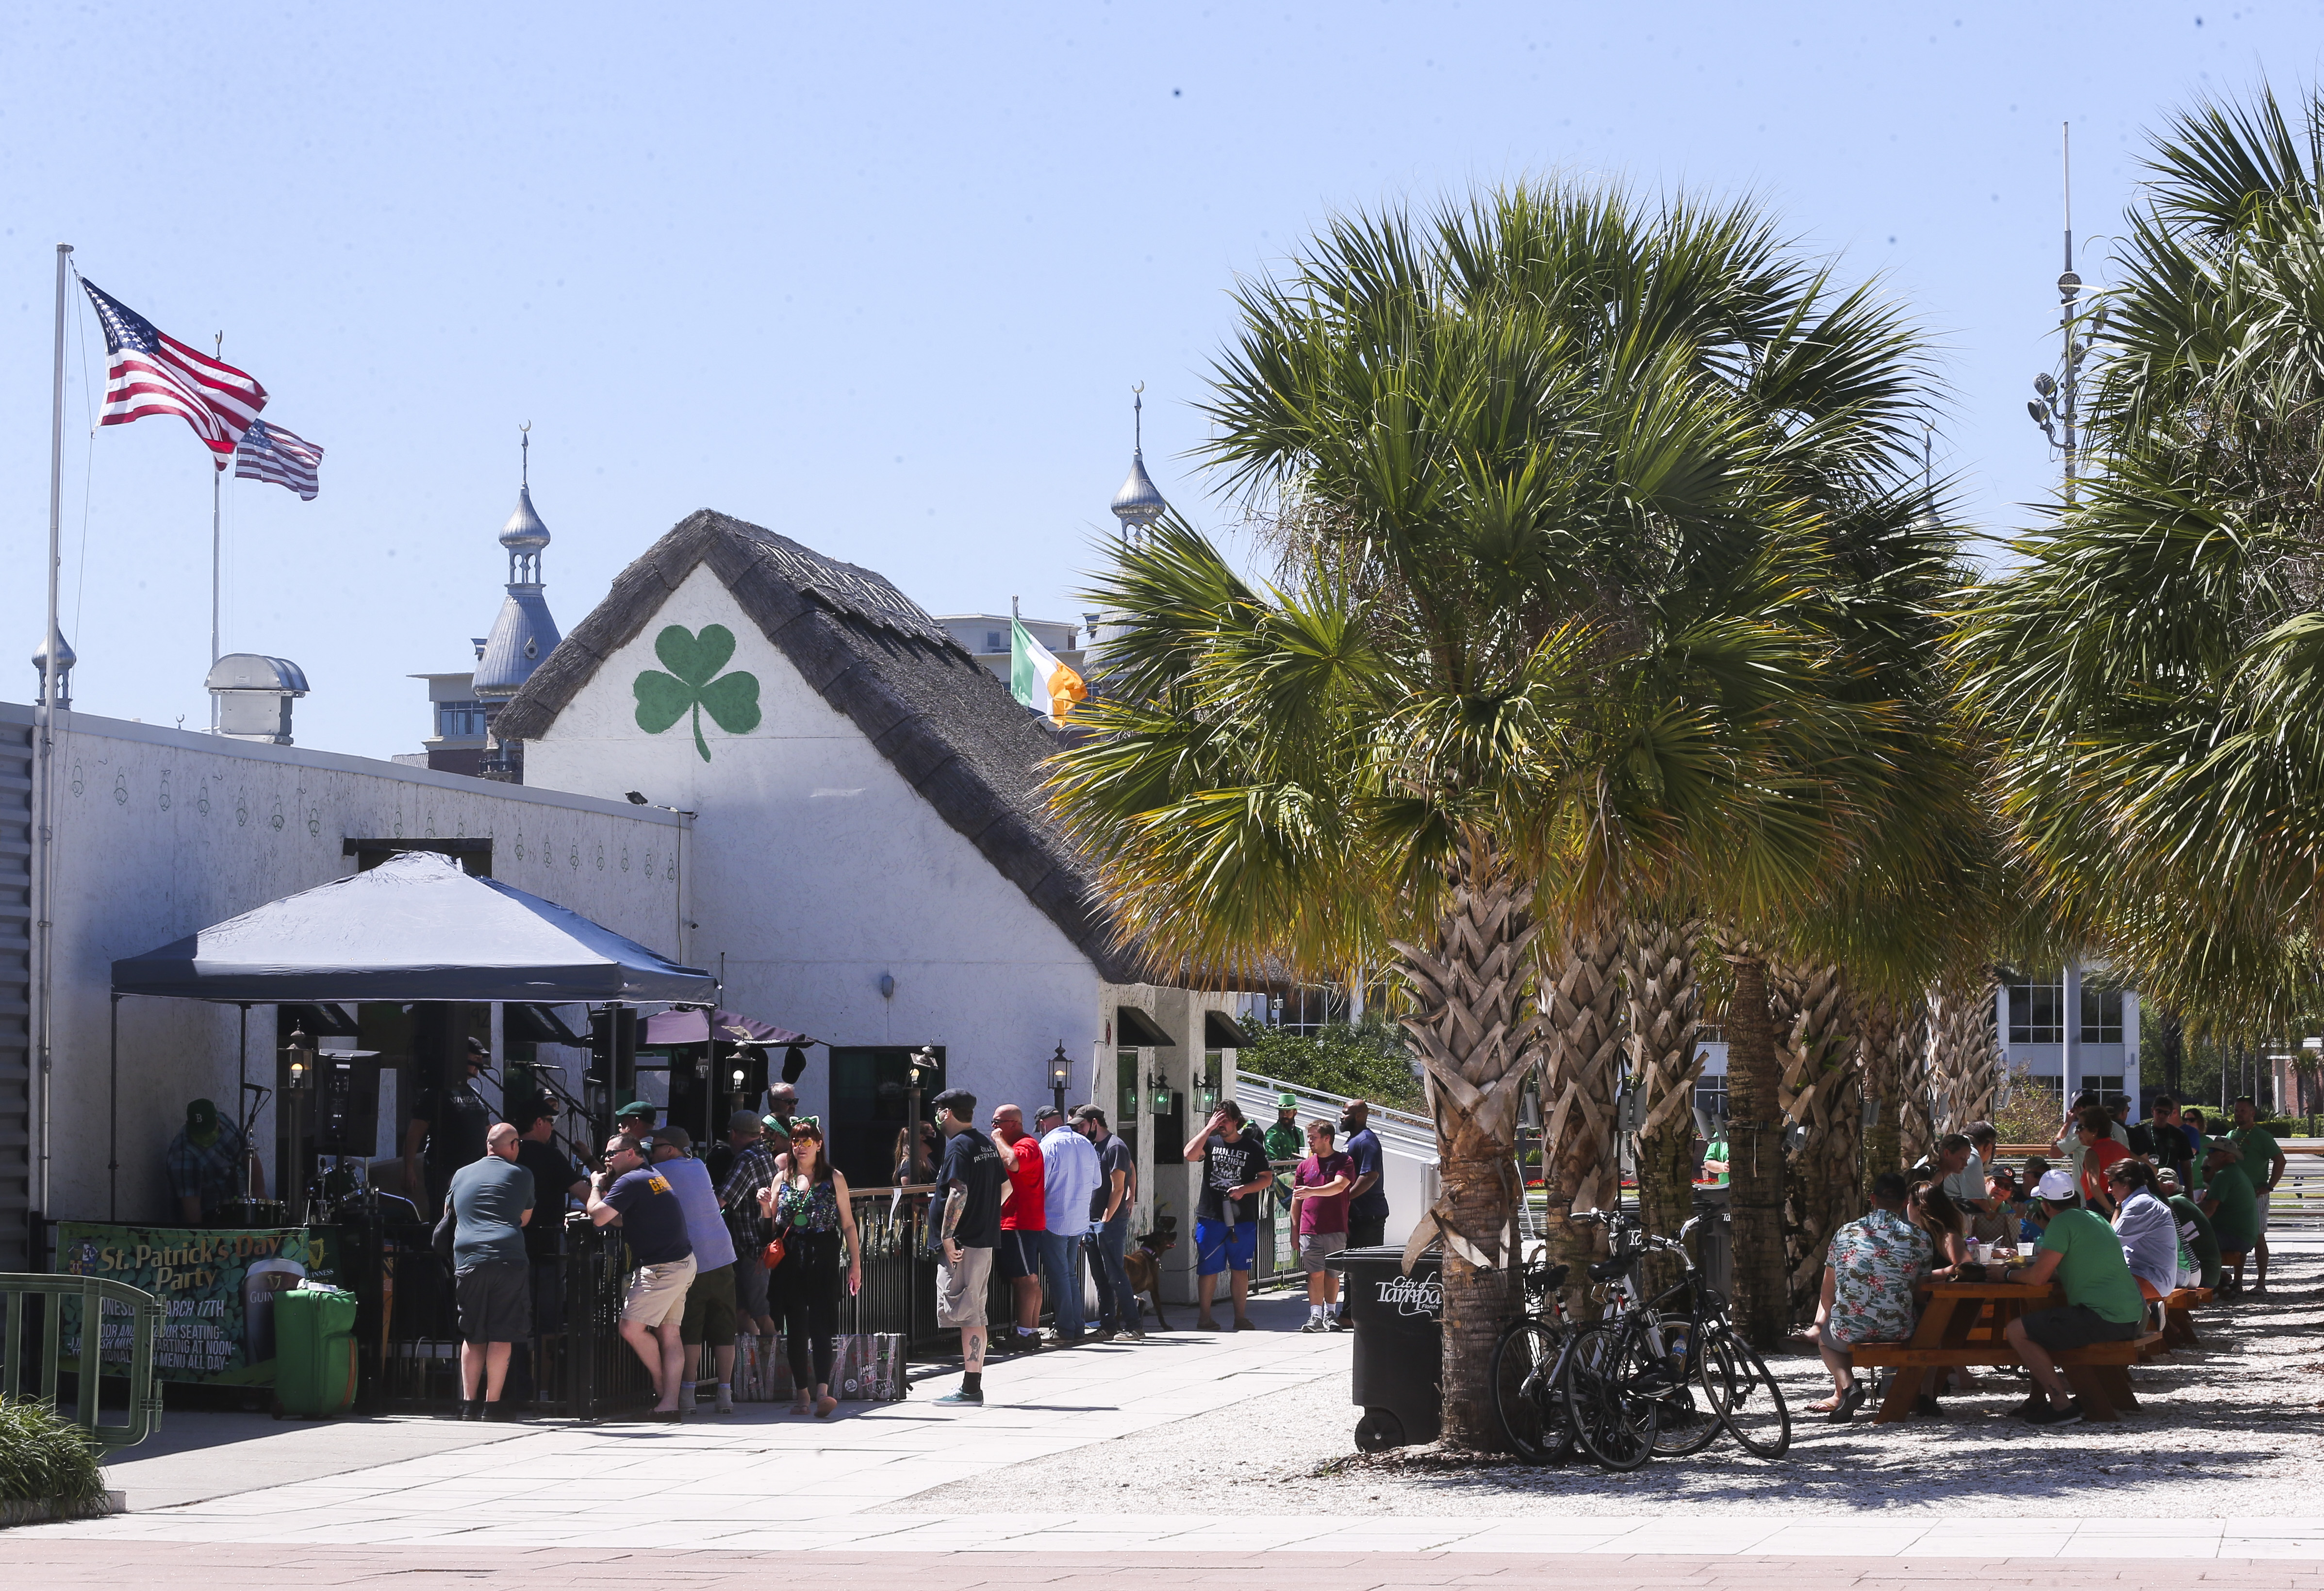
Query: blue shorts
x=1220, y=1247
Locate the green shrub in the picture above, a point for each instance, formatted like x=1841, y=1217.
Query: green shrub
x=44, y=1458
x=1366, y=1059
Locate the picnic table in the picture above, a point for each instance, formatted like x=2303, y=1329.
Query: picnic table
x=1962, y=1326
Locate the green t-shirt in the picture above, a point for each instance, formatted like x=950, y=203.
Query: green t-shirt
x=2260, y=1149
x=2091, y=1268
x=2236, y=1217
x=2196, y=1236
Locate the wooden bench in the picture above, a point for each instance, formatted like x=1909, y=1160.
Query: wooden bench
x=2099, y=1373
x=2178, y=1324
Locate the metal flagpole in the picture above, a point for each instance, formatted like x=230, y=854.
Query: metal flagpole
x=217, y=479
x=44, y=748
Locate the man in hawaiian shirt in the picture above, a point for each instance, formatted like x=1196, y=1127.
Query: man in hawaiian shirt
x=1871, y=1277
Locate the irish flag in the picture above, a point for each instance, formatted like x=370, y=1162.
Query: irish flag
x=1038, y=679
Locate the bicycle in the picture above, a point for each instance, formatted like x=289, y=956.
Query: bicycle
x=1738, y=1393
x=1556, y=1386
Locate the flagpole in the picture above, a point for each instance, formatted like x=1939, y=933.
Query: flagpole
x=45, y=749
x=217, y=487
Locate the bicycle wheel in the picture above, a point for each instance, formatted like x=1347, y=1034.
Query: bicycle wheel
x=1614, y=1418
x=1687, y=1422
x=1748, y=1403
x=1526, y=1396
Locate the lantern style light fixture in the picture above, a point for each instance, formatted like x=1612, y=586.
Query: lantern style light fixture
x=1161, y=1090
x=1061, y=1078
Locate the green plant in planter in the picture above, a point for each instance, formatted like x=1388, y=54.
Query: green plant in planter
x=44, y=1458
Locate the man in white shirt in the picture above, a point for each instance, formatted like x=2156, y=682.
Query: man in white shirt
x=1069, y=1177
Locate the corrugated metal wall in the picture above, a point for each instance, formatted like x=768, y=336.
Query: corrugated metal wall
x=15, y=990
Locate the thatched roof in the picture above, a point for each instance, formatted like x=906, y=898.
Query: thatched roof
x=952, y=730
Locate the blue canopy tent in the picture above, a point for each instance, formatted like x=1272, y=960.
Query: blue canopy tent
x=416, y=928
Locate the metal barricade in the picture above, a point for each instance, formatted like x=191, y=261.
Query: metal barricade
x=91, y=1295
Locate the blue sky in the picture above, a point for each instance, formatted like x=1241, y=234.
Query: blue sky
x=881, y=277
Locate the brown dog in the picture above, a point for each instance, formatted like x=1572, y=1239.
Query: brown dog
x=1144, y=1266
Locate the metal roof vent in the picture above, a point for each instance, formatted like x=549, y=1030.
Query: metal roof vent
x=253, y=696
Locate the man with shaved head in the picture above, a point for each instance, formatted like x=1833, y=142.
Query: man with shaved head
x=489, y=1206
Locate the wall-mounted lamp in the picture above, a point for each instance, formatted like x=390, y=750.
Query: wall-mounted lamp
x=1061, y=1078
x=887, y=985
x=1160, y=1089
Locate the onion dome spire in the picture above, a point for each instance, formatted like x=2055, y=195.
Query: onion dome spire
x=1138, y=503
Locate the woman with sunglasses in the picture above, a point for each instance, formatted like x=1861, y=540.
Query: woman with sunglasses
x=809, y=1207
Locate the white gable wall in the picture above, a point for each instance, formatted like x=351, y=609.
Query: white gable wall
x=815, y=868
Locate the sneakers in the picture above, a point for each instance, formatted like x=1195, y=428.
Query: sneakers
x=962, y=1395
x=1103, y=1334
x=726, y=1399
x=1334, y=1323
x=686, y=1398
x=2050, y=1413
x=1315, y=1326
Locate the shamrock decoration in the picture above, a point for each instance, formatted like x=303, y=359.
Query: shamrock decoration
x=694, y=682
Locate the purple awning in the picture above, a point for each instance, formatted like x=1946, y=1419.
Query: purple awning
x=699, y=1027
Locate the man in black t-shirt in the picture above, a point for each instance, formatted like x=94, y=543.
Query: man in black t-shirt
x=1226, y=1214
x=449, y=1122
x=963, y=1224
x=555, y=1181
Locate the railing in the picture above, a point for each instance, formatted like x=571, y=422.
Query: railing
x=84, y=1299
x=1399, y=1132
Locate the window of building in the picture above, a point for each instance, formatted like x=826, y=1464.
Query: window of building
x=460, y=720
x=2101, y=1015
x=2108, y=1088
x=1710, y=1096
x=1307, y=1008
x=2037, y=1012
x=992, y=642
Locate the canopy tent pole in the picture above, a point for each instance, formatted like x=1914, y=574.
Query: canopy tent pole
x=242, y=1096
x=113, y=1119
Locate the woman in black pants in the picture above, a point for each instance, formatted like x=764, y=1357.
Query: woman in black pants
x=809, y=1207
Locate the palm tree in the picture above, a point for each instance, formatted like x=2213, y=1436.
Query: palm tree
x=2153, y=671
x=1532, y=476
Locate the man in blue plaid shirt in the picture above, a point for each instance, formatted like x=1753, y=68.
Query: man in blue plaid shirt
x=205, y=1162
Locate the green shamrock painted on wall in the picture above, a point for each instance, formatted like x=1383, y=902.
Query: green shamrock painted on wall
x=694, y=683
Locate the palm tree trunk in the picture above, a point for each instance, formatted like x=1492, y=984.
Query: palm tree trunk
x=1581, y=1073
x=1916, y=1138
x=1875, y=1022
x=1822, y=1098
x=1965, y=1050
x=1475, y=1036
x=1665, y=1010
x=1756, y=1144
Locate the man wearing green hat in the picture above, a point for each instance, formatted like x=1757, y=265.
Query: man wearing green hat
x=206, y=1160
x=1284, y=1141
x=635, y=1118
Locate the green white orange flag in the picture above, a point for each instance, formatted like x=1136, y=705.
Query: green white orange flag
x=1038, y=679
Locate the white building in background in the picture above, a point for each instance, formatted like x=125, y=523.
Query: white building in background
x=2072, y=1028
x=985, y=635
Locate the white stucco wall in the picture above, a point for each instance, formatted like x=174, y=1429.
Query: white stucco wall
x=159, y=832
x=818, y=869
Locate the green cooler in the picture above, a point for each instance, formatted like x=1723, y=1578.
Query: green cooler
x=314, y=1351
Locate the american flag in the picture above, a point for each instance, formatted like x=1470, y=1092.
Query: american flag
x=270, y=453
x=147, y=372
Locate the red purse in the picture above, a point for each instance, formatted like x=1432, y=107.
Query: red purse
x=774, y=1254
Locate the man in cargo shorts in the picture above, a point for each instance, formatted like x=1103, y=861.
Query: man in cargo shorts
x=653, y=1226
x=709, y=1318
x=1319, y=1193
x=963, y=1224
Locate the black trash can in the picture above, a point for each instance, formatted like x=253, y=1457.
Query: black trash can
x=1399, y=1321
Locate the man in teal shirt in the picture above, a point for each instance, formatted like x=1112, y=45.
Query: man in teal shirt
x=2082, y=1255
x=2263, y=1164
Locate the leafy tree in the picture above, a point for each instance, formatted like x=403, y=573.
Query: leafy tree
x=1366, y=1059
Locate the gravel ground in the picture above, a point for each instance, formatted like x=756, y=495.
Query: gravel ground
x=2237, y=1428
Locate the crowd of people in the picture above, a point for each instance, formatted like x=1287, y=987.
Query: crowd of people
x=758, y=1235
x=2118, y=1216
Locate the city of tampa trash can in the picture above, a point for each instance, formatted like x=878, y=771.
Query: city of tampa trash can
x=314, y=1351
x=1399, y=1345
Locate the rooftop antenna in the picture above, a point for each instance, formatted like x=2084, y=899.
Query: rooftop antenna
x=2054, y=409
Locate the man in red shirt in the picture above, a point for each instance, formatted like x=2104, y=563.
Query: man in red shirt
x=1024, y=1218
x=2096, y=1132
x=1320, y=1192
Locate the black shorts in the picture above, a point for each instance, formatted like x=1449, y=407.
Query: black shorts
x=496, y=1301
x=1018, y=1253
x=709, y=1315
x=1366, y=1231
x=2074, y=1325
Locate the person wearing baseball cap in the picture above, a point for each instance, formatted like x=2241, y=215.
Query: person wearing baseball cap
x=2081, y=1253
x=635, y=1118
x=207, y=1162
